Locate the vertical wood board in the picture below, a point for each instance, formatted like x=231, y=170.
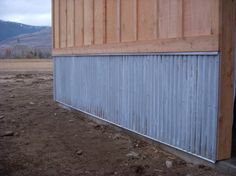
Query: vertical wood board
x=112, y=21
x=226, y=102
x=56, y=23
x=170, y=18
x=147, y=19
x=63, y=24
x=99, y=21
x=197, y=17
x=79, y=23
x=88, y=22
x=70, y=23
x=128, y=20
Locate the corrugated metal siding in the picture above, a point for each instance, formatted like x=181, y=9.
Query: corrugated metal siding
x=170, y=98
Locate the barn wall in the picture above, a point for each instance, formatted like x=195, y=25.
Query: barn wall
x=172, y=98
x=226, y=86
x=121, y=26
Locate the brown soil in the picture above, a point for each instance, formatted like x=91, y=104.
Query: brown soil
x=51, y=141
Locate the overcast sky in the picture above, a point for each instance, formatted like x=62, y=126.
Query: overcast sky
x=32, y=12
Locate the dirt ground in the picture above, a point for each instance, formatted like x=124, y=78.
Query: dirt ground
x=39, y=138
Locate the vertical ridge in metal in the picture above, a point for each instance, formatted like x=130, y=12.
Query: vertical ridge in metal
x=171, y=98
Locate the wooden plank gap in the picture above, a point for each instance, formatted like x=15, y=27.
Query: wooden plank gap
x=104, y=21
x=59, y=36
x=74, y=22
x=83, y=24
x=105, y=30
x=53, y=23
x=215, y=17
x=183, y=22
x=119, y=20
x=93, y=28
x=66, y=24
x=157, y=18
x=136, y=20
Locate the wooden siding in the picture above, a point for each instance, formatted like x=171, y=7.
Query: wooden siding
x=63, y=24
x=79, y=23
x=107, y=26
x=99, y=22
x=127, y=26
x=227, y=77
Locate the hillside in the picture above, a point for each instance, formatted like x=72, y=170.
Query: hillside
x=34, y=43
x=11, y=29
x=40, y=40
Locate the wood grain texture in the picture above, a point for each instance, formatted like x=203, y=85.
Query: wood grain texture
x=215, y=14
x=79, y=23
x=205, y=43
x=88, y=22
x=99, y=22
x=70, y=23
x=226, y=96
x=63, y=28
x=170, y=18
x=112, y=21
x=56, y=23
x=197, y=17
x=52, y=22
x=128, y=20
x=147, y=24
x=138, y=26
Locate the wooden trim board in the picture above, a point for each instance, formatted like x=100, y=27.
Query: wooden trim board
x=226, y=92
x=201, y=44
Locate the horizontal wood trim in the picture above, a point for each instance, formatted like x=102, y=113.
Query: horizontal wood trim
x=192, y=44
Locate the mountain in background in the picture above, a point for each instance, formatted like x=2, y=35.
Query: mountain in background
x=32, y=41
x=40, y=40
x=11, y=29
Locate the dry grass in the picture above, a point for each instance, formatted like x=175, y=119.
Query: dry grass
x=26, y=65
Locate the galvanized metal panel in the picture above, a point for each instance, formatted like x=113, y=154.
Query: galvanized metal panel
x=171, y=98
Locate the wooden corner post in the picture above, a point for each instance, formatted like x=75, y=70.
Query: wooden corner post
x=226, y=86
